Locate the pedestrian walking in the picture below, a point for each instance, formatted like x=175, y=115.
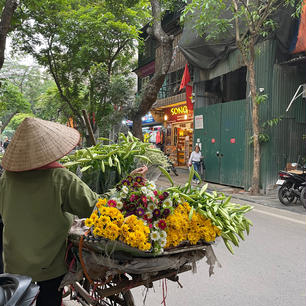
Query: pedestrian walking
x=38, y=198
x=195, y=160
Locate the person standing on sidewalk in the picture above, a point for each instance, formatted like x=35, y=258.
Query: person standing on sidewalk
x=195, y=159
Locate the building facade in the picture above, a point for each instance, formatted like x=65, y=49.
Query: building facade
x=170, y=112
x=223, y=110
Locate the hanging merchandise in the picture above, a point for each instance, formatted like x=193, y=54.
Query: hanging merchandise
x=158, y=137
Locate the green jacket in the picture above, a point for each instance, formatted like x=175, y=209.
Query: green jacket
x=36, y=207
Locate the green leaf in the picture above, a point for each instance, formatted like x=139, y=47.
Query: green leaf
x=166, y=174
x=143, y=158
x=104, y=139
x=203, y=189
x=85, y=168
x=191, y=213
x=70, y=164
x=90, y=154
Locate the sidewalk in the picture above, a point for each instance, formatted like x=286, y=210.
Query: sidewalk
x=270, y=200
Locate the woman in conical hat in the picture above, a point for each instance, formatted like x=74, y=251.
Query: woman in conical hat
x=38, y=197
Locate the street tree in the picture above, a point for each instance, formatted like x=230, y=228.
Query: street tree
x=75, y=40
x=149, y=93
x=251, y=20
x=31, y=79
x=12, y=102
x=8, y=8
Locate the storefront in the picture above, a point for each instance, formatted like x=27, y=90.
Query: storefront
x=178, y=131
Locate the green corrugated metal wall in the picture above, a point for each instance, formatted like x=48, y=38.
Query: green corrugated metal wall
x=279, y=83
x=264, y=75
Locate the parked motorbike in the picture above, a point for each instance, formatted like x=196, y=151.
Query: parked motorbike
x=17, y=290
x=303, y=195
x=291, y=188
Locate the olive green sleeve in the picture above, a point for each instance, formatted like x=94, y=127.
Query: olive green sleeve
x=79, y=198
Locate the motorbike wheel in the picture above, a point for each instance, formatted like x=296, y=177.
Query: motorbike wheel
x=285, y=196
x=303, y=197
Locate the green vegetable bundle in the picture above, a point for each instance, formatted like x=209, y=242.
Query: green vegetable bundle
x=115, y=161
x=229, y=217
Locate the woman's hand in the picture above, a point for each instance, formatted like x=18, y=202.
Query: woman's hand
x=140, y=171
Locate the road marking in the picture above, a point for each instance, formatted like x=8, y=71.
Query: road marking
x=279, y=216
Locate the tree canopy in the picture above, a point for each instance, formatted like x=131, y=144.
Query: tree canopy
x=83, y=44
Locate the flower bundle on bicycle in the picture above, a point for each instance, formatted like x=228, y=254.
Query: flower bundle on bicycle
x=141, y=216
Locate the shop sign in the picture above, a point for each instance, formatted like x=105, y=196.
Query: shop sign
x=198, y=122
x=148, y=118
x=179, y=110
x=179, y=113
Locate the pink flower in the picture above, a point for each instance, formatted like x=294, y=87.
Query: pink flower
x=155, y=193
x=132, y=198
x=161, y=197
x=144, y=200
x=150, y=225
x=112, y=203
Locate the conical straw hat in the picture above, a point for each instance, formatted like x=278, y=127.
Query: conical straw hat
x=37, y=143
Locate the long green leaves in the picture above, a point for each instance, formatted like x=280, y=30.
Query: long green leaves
x=224, y=214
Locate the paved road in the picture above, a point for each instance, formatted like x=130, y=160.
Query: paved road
x=268, y=269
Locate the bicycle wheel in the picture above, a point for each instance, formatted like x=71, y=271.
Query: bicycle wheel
x=87, y=294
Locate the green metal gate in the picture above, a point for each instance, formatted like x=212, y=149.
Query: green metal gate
x=223, y=142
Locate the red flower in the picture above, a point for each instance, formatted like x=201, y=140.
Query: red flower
x=135, y=184
x=161, y=197
x=144, y=200
x=155, y=193
x=162, y=224
x=150, y=225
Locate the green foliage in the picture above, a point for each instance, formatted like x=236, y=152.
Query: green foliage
x=214, y=18
x=262, y=138
x=84, y=45
x=17, y=119
x=261, y=98
x=272, y=122
x=49, y=106
x=12, y=100
x=31, y=80
x=114, y=160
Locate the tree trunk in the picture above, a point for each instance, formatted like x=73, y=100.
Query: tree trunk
x=150, y=92
x=137, y=127
x=7, y=121
x=255, y=121
x=5, y=25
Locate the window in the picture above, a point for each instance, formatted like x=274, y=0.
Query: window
x=226, y=88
